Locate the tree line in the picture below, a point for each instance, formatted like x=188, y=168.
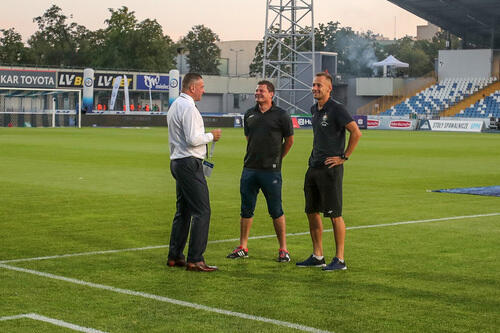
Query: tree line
x=124, y=43
x=356, y=52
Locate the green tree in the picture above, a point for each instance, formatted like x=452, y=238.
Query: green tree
x=12, y=49
x=127, y=44
x=117, y=40
x=421, y=54
x=255, y=67
x=418, y=54
x=303, y=44
x=54, y=43
x=153, y=50
x=444, y=40
x=204, y=53
x=87, y=46
x=356, y=52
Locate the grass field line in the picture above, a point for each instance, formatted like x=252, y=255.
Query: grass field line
x=253, y=237
x=424, y=221
x=166, y=300
x=52, y=321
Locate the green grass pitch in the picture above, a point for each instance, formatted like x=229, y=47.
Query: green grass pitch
x=67, y=191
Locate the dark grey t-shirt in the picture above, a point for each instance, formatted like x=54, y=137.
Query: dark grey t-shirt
x=265, y=132
x=329, y=131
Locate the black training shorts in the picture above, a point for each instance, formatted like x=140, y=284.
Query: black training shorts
x=269, y=182
x=323, y=190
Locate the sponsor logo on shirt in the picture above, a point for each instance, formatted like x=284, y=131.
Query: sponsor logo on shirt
x=324, y=123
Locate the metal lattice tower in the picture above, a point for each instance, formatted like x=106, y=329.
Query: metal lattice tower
x=289, y=51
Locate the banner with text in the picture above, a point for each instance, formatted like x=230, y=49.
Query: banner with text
x=101, y=80
x=387, y=123
x=152, y=82
x=301, y=122
x=362, y=121
x=456, y=125
x=27, y=78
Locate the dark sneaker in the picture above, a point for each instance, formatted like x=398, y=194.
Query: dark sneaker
x=335, y=265
x=283, y=256
x=312, y=262
x=238, y=252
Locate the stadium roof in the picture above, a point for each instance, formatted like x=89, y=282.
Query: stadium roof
x=477, y=22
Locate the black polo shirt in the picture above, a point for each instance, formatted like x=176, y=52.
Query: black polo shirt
x=329, y=131
x=265, y=132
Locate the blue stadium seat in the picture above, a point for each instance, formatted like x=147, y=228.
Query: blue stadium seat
x=441, y=96
x=489, y=106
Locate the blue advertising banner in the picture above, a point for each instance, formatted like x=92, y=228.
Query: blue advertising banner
x=424, y=125
x=238, y=121
x=153, y=82
x=362, y=121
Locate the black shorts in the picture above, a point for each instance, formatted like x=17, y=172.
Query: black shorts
x=269, y=182
x=323, y=190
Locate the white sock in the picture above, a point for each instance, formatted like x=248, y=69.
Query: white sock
x=341, y=261
x=318, y=257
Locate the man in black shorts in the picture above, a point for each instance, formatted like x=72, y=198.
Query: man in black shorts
x=269, y=134
x=323, y=181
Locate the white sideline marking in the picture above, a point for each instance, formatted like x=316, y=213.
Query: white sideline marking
x=13, y=317
x=253, y=237
x=85, y=254
x=183, y=303
x=166, y=300
x=424, y=221
x=52, y=321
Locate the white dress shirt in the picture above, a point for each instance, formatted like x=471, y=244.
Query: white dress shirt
x=186, y=132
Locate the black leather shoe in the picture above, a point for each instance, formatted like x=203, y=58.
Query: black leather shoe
x=200, y=267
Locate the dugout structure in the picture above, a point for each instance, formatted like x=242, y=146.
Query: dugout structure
x=34, y=107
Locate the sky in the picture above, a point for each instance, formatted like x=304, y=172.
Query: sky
x=230, y=19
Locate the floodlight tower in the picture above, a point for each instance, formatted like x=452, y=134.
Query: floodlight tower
x=289, y=51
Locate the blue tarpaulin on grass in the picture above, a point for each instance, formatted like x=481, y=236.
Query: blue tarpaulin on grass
x=487, y=190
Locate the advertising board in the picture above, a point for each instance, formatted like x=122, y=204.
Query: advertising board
x=27, y=78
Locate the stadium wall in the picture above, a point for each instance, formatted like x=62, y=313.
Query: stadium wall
x=355, y=101
x=465, y=64
x=120, y=119
x=496, y=64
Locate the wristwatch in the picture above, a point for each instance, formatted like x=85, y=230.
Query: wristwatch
x=345, y=158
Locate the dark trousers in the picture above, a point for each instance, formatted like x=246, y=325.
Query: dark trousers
x=193, y=210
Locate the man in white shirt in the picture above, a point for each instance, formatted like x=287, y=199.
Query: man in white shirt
x=188, y=146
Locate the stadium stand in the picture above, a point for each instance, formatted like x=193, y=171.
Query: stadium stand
x=474, y=21
x=439, y=97
x=486, y=107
